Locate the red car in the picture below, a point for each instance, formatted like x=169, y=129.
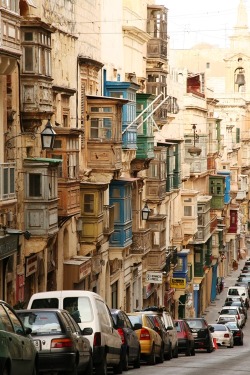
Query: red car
x=185, y=338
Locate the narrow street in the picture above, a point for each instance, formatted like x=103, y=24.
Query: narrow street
x=222, y=361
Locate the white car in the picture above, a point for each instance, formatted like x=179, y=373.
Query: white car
x=223, y=335
x=232, y=311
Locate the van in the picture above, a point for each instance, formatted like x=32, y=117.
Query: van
x=241, y=291
x=89, y=310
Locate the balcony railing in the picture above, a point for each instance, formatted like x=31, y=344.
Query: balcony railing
x=7, y=181
x=141, y=242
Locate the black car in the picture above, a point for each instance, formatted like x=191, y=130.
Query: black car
x=238, y=334
x=59, y=341
x=18, y=354
x=202, y=333
x=131, y=350
x=162, y=331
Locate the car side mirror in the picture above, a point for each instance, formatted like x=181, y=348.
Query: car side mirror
x=137, y=326
x=87, y=331
x=28, y=331
x=211, y=329
x=169, y=328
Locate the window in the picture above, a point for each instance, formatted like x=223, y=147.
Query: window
x=187, y=210
x=114, y=295
x=35, y=185
x=179, y=266
x=88, y=203
x=28, y=59
x=100, y=128
x=72, y=166
x=28, y=36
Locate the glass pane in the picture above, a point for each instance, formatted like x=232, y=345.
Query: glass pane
x=88, y=203
x=34, y=185
x=28, y=56
x=5, y=181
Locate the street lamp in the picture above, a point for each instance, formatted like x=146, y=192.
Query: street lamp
x=193, y=150
x=145, y=212
x=48, y=137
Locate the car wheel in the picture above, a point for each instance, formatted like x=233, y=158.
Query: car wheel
x=188, y=351
x=125, y=363
x=241, y=342
x=210, y=348
x=89, y=369
x=137, y=363
x=193, y=352
x=101, y=368
x=161, y=357
x=169, y=355
x=175, y=354
x=117, y=369
x=151, y=359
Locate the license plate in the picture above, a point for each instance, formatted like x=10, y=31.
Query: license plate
x=37, y=344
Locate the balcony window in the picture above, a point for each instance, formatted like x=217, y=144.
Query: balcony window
x=100, y=128
x=34, y=185
x=88, y=203
x=28, y=59
x=187, y=210
x=7, y=182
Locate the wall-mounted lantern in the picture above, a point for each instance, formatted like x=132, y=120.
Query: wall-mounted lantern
x=145, y=212
x=193, y=150
x=48, y=137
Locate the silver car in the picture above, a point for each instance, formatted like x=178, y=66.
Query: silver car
x=59, y=341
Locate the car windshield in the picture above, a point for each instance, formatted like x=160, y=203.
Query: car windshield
x=229, y=312
x=79, y=308
x=196, y=324
x=42, y=323
x=219, y=327
x=232, y=325
x=135, y=319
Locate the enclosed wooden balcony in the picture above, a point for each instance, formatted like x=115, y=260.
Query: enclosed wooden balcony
x=141, y=242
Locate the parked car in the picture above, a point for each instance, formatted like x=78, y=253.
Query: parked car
x=185, y=338
x=131, y=348
x=238, y=304
x=161, y=330
x=89, y=310
x=233, y=311
x=18, y=353
x=241, y=291
x=169, y=325
x=59, y=341
x=238, y=334
x=202, y=333
x=150, y=341
x=223, y=335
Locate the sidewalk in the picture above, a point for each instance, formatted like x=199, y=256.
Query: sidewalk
x=212, y=312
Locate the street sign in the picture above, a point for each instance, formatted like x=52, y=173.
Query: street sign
x=154, y=277
x=178, y=283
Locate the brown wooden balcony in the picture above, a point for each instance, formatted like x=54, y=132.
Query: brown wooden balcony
x=213, y=223
x=69, y=198
x=141, y=242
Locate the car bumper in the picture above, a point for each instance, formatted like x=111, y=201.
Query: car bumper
x=200, y=343
x=182, y=345
x=56, y=361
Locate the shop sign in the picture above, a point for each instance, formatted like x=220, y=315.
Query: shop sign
x=154, y=277
x=31, y=265
x=178, y=283
x=84, y=269
x=148, y=290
